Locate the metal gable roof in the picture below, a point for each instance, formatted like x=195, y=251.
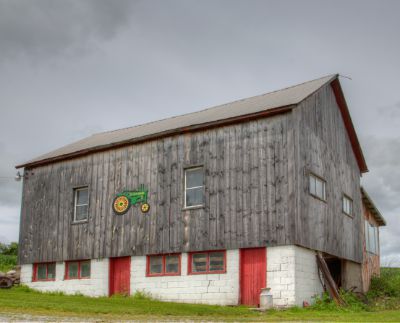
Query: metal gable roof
x=370, y=205
x=266, y=102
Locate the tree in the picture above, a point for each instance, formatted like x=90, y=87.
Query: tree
x=10, y=249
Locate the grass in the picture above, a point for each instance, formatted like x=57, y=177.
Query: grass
x=381, y=304
x=7, y=262
x=24, y=300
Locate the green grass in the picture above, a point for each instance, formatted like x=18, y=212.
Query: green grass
x=7, y=262
x=381, y=304
x=24, y=300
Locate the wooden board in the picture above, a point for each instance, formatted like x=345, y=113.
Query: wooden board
x=255, y=194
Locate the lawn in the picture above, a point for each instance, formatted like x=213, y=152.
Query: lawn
x=23, y=300
x=382, y=304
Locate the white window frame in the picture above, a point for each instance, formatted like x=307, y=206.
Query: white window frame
x=202, y=186
x=76, y=190
x=350, y=201
x=317, y=178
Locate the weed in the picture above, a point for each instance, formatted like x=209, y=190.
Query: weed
x=7, y=262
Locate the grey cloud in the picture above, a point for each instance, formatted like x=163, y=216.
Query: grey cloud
x=10, y=190
x=71, y=68
x=46, y=28
x=382, y=183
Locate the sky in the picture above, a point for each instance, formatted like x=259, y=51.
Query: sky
x=70, y=68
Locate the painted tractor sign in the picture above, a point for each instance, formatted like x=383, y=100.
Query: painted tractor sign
x=123, y=201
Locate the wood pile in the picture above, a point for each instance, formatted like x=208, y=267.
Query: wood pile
x=11, y=278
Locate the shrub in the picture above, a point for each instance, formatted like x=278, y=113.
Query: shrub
x=387, y=285
x=353, y=303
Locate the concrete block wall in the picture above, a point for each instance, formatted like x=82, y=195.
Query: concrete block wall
x=292, y=275
x=307, y=281
x=222, y=289
x=96, y=285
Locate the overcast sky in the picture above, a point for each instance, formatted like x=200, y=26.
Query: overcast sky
x=72, y=68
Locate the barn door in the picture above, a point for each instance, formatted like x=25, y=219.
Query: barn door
x=253, y=272
x=120, y=275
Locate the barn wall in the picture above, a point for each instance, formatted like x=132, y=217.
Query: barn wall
x=96, y=285
x=323, y=147
x=371, y=262
x=221, y=289
x=249, y=196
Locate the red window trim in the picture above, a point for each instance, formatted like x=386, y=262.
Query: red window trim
x=208, y=252
x=79, y=269
x=163, y=273
x=35, y=268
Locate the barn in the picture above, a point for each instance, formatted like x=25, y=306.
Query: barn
x=207, y=207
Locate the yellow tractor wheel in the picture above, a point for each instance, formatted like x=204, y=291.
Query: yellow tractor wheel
x=145, y=207
x=121, y=205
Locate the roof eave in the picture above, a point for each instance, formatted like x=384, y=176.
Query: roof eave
x=341, y=101
x=372, y=208
x=167, y=133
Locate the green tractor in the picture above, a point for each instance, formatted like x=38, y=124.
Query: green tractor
x=123, y=201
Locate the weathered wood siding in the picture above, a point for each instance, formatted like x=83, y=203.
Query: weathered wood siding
x=323, y=147
x=249, y=198
x=371, y=262
x=256, y=191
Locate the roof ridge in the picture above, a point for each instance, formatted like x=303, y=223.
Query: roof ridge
x=215, y=106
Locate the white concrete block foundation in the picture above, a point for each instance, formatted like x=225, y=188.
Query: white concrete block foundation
x=291, y=274
x=222, y=289
x=96, y=285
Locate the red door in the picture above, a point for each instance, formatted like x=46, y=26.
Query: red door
x=120, y=275
x=253, y=272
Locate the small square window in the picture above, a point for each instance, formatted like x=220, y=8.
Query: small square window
x=199, y=262
x=78, y=269
x=73, y=268
x=217, y=261
x=44, y=271
x=347, y=205
x=172, y=264
x=85, y=269
x=156, y=264
x=317, y=187
x=51, y=271
x=211, y=262
x=81, y=207
x=164, y=265
x=194, y=187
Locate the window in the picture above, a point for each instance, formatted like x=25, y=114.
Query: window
x=211, y=262
x=77, y=269
x=164, y=265
x=81, y=209
x=371, y=238
x=194, y=187
x=44, y=271
x=347, y=205
x=317, y=187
